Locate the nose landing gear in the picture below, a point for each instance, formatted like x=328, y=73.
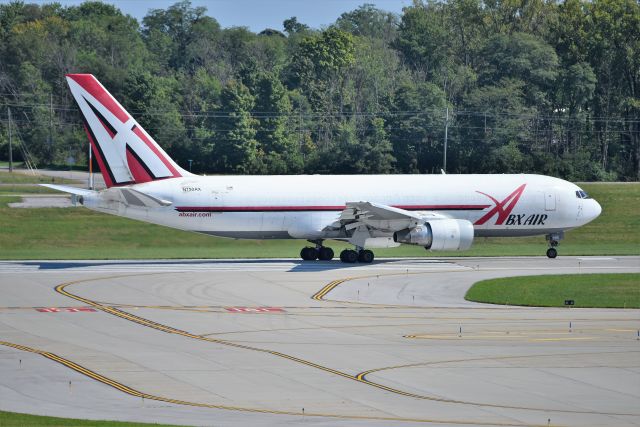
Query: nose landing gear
x=554, y=240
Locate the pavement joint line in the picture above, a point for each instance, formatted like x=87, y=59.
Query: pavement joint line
x=363, y=375
x=504, y=336
x=164, y=328
x=133, y=392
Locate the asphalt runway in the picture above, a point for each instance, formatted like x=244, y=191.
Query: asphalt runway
x=277, y=342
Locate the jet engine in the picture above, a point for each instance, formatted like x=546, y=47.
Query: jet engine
x=438, y=235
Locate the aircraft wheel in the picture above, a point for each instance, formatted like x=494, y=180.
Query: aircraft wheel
x=309, y=254
x=349, y=255
x=365, y=256
x=552, y=252
x=325, y=254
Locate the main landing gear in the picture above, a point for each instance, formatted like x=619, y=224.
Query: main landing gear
x=361, y=255
x=554, y=241
x=324, y=253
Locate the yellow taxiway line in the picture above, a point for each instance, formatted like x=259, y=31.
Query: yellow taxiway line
x=168, y=329
x=133, y=392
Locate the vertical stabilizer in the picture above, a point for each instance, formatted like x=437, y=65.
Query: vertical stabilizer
x=125, y=153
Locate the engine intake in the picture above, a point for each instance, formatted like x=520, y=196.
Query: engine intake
x=439, y=235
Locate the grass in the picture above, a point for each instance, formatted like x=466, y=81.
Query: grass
x=77, y=233
x=14, y=189
x=24, y=178
x=587, y=290
x=12, y=419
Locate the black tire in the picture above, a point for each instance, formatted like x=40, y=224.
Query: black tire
x=365, y=256
x=309, y=254
x=325, y=254
x=552, y=253
x=349, y=256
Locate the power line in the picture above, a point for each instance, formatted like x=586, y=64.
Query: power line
x=296, y=114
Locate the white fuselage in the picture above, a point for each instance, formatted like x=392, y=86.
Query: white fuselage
x=303, y=206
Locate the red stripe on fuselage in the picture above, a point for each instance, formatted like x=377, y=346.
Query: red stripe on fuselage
x=502, y=209
x=91, y=85
x=317, y=208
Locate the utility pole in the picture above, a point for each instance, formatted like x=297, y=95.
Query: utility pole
x=51, y=128
x=90, y=168
x=446, y=134
x=10, y=142
x=301, y=134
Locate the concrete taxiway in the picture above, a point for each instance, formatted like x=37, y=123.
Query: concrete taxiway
x=234, y=342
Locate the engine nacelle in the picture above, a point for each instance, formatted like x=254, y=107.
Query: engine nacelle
x=439, y=235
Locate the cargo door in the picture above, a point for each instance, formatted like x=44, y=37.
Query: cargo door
x=550, y=201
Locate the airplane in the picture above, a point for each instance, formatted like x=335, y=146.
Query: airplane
x=442, y=212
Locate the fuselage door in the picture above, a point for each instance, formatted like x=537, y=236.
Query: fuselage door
x=549, y=201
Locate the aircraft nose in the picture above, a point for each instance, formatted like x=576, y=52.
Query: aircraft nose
x=593, y=210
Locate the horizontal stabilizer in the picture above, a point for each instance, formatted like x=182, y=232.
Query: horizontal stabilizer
x=72, y=190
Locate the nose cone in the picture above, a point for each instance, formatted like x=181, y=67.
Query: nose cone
x=591, y=210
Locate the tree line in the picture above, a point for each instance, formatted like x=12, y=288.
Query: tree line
x=517, y=85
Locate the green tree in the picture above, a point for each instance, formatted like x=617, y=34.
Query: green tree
x=614, y=54
x=292, y=26
x=423, y=40
x=368, y=21
x=522, y=57
x=272, y=111
x=153, y=101
x=170, y=32
x=235, y=148
x=497, y=129
x=416, y=127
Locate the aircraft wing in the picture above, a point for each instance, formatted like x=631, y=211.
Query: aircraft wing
x=381, y=217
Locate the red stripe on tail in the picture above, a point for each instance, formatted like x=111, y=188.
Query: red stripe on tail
x=154, y=148
x=139, y=173
x=103, y=169
x=91, y=85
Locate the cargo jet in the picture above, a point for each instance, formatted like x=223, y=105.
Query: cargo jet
x=438, y=212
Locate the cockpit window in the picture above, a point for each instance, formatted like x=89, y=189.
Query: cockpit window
x=582, y=195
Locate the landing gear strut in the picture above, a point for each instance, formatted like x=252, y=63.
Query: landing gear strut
x=554, y=240
x=320, y=252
